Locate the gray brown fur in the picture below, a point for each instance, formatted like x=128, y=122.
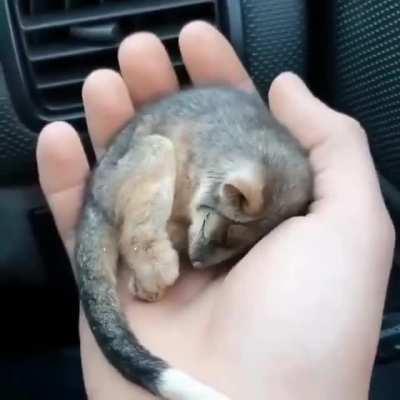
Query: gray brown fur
x=207, y=172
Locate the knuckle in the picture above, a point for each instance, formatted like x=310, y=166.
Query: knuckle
x=353, y=125
x=388, y=229
x=384, y=233
x=351, y=129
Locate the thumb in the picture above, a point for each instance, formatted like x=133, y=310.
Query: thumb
x=345, y=176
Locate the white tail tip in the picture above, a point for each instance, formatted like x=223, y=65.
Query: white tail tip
x=176, y=385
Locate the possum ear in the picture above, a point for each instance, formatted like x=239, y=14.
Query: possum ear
x=246, y=192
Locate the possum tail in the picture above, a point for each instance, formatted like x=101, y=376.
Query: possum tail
x=96, y=261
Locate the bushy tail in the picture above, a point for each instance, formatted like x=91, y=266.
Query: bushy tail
x=96, y=262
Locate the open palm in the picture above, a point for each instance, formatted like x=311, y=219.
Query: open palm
x=299, y=316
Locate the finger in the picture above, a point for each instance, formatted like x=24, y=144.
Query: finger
x=63, y=169
x=209, y=57
x=295, y=106
x=107, y=106
x=338, y=147
x=146, y=68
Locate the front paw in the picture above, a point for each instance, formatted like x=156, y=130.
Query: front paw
x=143, y=290
x=154, y=273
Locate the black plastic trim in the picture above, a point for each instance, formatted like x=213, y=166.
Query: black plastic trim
x=15, y=69
x=29, y=105
x=75, y=17
x=230, y=12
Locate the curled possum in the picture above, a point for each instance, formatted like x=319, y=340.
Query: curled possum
x=206, y=172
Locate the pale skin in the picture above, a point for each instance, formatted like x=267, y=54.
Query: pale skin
x=299, y=316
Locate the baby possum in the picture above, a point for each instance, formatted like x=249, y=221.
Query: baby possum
x=206, y=172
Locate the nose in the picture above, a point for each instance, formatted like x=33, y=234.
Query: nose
x=204, y=254
x=199, y=257
x=197, y=264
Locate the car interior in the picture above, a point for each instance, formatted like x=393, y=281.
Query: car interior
x=348, y=51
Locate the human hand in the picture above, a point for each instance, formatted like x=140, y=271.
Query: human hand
x=299, y=316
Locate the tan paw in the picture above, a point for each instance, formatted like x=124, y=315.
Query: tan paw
x=141, y=293
x=153, y=275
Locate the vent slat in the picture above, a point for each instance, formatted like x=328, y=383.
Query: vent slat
x=63, y=105
x=55, y=51
x=106, y=11
x=66, y=80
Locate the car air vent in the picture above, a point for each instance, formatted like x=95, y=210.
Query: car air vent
x=59, y=43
